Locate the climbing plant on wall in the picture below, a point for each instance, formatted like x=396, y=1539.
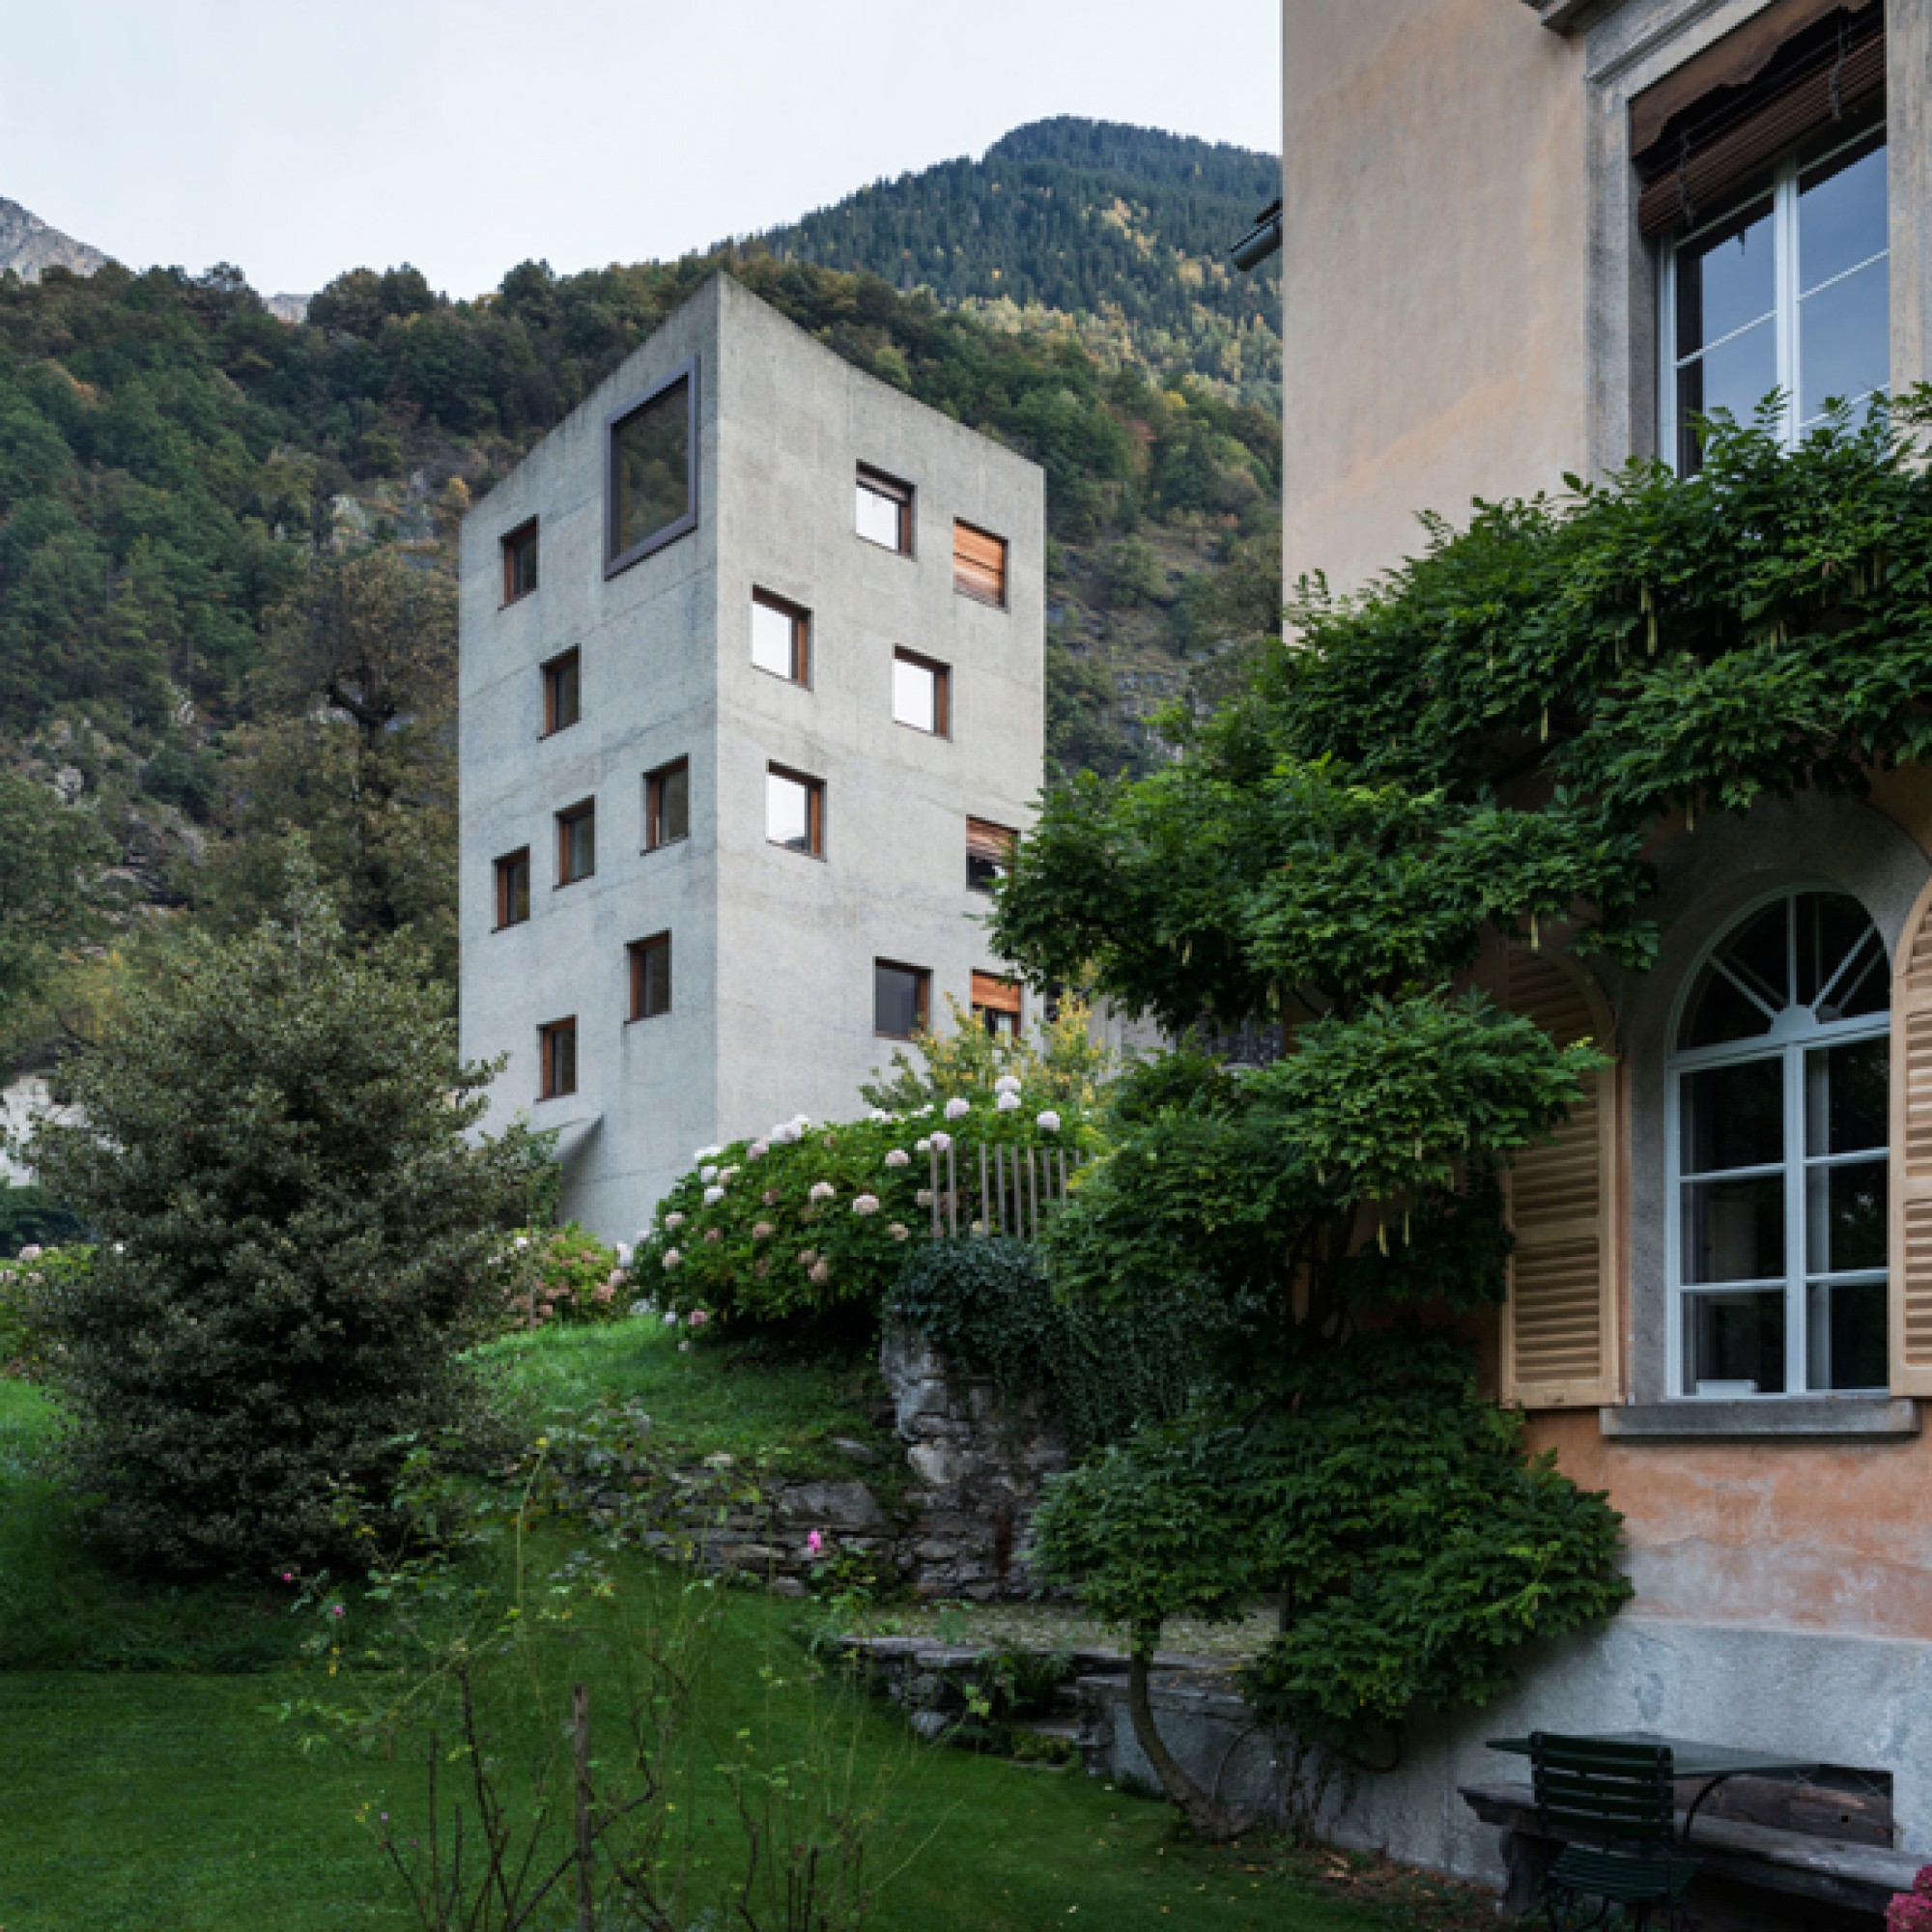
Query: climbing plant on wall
x=1478, y=748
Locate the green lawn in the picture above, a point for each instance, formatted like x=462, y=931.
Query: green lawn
x=146, y=1783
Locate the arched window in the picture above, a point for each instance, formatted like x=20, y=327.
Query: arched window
x=1777, y=1133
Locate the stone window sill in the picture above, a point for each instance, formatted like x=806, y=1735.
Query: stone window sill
x=1853, y=1418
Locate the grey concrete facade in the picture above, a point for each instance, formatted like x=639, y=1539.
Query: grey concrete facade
x=772, y=951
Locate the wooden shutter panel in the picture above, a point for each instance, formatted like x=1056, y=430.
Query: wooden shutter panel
x=1559, y=1332
x=1911, y=1232
x=995, y=994
x=979, y=564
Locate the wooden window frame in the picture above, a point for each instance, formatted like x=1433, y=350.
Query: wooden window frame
x=801, y=638
x=553, y=670
x=942, y=696
x=654, y=783
x=984, y=825
x=815, y=811
x=570, y=817
x=548, y=1088
x=923, y=979
x=504, y=901
x=963, y=585
x=615, y=560
x=998, y=993
x=882, y=483
x=514, y=543
x=640, y=950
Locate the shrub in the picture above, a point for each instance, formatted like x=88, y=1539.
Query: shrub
x=562, y=1275
x=294, y=1235
x=36, y=1272
x=31, y=1218
x=811, y=1224
x=1100, y=1371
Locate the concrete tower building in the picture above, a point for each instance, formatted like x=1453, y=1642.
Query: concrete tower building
x=752, y=700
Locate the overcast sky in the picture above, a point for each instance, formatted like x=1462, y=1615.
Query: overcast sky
x=302, y=139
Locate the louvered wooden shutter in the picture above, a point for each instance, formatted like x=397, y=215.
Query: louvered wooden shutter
x=1910, y=1258
x=979, y=564
x=1559, y=1336
x=995, y=994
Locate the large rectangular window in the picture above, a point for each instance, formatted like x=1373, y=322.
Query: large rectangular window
x=667, y=805
x=901, y=996
x=980, y=565
x=650, y=977
x=885, y=510
x=577, y=842
x=989, y=853
x=921, y=690
x=562, y=693
x=1783, y=291
x=795, y=811
x=519, y=561
x=780, y=638
x=557, y=1059
x=513, y=888
x=652, y=478
x=996, y=1003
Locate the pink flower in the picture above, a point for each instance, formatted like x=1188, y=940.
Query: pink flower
x=714, y=1234
x=335, y=1610
x=763, y=1232
x=814, y=1543
x=673, y=1259
x=941, y=1143
x=288, y=1576
x=674, y=1220
x=820, y=1274
x=605, y=1293
x=696, y=1319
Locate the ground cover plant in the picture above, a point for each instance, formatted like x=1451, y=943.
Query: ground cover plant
x=1478, y=748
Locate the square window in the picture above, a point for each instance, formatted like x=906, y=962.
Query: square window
x=996, y=1003
x=980, y=565
x=780, y=638
x=577, y=842
x=667, y=805
x=513, y=888
x=919, y=693
x=885, y=510
x=795, y=811
x=563, y=693
x=989, y=854
x=652, y=487
x=650, y=977
x=557, y=1059
x=901, y=999
x=519, y=561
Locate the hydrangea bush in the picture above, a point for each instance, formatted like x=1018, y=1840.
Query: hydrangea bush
x=563, y=1276
x=816, y=1216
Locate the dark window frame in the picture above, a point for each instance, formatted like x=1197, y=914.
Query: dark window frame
x=503, y=869
x=615, y=562
x=815, y=810
x=640, y=951
x=942, y=695
x=549, y=1035
x=801, y=637
x=921, y=976
x=883, y=483
x=567, y=820
x=514, y=546
x=654, y=781
x=553, y=670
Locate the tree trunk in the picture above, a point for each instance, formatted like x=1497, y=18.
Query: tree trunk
x=1209, y=1817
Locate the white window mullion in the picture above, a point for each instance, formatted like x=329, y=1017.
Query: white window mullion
x=1784, y=225
x=1797, y=1174
x=1675, y=1367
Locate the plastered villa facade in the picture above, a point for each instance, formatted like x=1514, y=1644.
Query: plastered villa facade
x=1526, y=238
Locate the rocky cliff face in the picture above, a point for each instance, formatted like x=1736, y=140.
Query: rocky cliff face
x=30, y=248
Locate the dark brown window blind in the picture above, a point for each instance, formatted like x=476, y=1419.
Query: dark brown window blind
x=980, y=565
x=1792, y=71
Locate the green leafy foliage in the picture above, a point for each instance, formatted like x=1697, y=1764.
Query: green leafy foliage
x=51, y=856
x=31, y=1217
x=987, y=1305
x=1057, y=1061
x=295, y=1233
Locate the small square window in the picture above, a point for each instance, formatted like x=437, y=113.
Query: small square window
x=651, y=481
x=557, y=1059
x=562, y=693
x=996, y=1003
x=989, y=854
x=795, y=811
x=667, y=805
x=577, y=842
x=650, y=977
x=920, y=693
x=901, y=996
x=885, y=510
x=780, y=638
x=513, y=888
x=980, y=565
x=519, y=561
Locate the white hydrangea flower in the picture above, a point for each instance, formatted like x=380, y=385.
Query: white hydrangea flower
x=671, y=1259
x=922, y=1146
x=707, y=1173
x=707, y=1153
x=713, y=1195
x=899, y=1157
x=674, y=1219
x=1049, y=1121
x=822, y=1190
x=757, y=1150
x=1007, y=1103
x=623, y=1254
x=866, y=1203
x=726, y=1173
x=957, y=1109
x=878, y=1117
x=941, y=1142
x=924, y=1197
x=1006, y=1083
